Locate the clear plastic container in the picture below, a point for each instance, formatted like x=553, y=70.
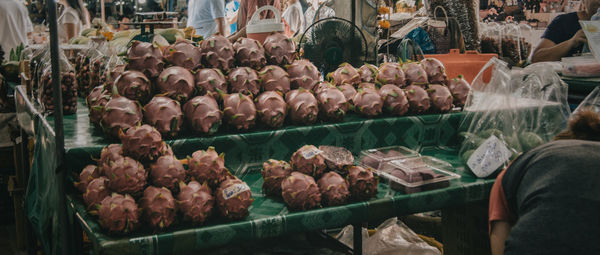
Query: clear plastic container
x=376, y=158
x=582, y=66
x=417, y=174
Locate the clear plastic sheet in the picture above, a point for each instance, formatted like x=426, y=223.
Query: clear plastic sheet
x=68, y=87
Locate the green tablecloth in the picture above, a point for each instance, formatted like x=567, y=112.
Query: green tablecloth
x=581, y=86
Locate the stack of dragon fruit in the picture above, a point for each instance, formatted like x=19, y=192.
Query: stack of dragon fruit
x=141, y=182
x=315, y=177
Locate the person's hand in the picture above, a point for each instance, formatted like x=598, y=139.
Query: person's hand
x=578, y=39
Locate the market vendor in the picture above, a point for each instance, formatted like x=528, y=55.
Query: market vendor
x=245, y=12
x=15, y=25
x=564, y=37
x=73, y=17
x=207, y=17
x=547, y=200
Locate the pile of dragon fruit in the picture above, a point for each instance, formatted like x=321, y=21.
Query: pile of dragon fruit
x=141, y=182
x=246, y=85
x=315, y=177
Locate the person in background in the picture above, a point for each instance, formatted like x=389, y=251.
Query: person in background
x=207, y=17
x=564, y=37
x=293, y=15
x=247, y=9
x=231, y=8
x=15, y=25
x=311, y=14
x=73, y=17
x=547, y=200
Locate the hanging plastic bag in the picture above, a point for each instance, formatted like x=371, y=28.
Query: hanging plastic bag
x=68, y=86
x=112, y=69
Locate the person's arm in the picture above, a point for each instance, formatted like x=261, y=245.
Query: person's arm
x=220, y=25
x=500, y=231
x=550, y=51
x=218, y=11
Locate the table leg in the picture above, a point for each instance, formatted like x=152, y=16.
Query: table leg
x=357, y=234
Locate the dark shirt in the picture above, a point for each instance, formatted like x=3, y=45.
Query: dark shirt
x=563, y=28
x=554, y=192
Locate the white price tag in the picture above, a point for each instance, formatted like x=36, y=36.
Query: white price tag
x=308, y=154
x=234, y=190
x=490, y=155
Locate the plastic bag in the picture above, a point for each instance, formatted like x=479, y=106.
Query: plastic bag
x=591, y=102
x=68, y=87
x=112, y=69
x=491, y=37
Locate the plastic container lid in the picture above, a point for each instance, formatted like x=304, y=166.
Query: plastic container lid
x=376, y=158
x=257, y=25
x=417, y=174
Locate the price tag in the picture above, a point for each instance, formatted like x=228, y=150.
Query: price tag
x=490, y=155
x=234, y=190
x=308, y=154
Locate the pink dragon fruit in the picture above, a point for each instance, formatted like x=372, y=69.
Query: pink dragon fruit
x=418, y=99
x=250, y=53
x=348, y=90
x=142, y=143
x=158, y=206
x=394, y=100
x=134, y=85
x=239, y=111
x=244, y=80
x=208, y=166
x=234, y=198
x=146, y=58
x=195, y=202
x=217, y=52
x=337, y=158
x=303, y=107
x=108, y=154
x=120, y=113
x=89, y=173
x=345, y=74
x=273, y=173
x=460, y=89
x=436, y=72
x=165, y=115
x=308, y=160
x=334, y=189
x=210, y=81
x=391, y=73
x=365, y=85
x=441, y=98
x=167, y=172
x=112, y=75
x=367, y=102
x=184, y=54
x=202, y=114
x=368, y=73
x=96, y=101
x=271, y=109
x=362, y=182
x=279, y=49
x=176, y=82
x=95, y=191
x=274, y=78
x=415, y=74
x=332, y=104
x=126, y=175
x=300, y=192
x=322, y=86
x=303, y=74
x=119, y=214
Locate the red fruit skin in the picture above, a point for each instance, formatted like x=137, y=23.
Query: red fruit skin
x=391, y=73
x=314, y=165
x=134, y=85
x=367, y=102
x=167, y=172
x=337, y=158
x=217, y=52
x=207, y=166
x=441, y=98
x=195, y=202
x=345, y=74
x=362, y=183
x=126, y=176
x=89, y=173
x=368, y=73
x=274, y=78
x=415, y=74
x=332, y=104
x=250, y=53
x=303, y=107
x=176, y=82
x=436, y=72
x=202, y=114
x=460, y=90
x=239, y=111
x=165, y=115
x=210, y=81
x=234, y=206
x=300, y=192
x=158, y=207
x=303, y=74
x=394, y=100
x=349, y=92
x=96, y=101
x=271, y=109
x=146, y=58
x=120, y=113
x=273, y=173
x=142, y=143
x=365, y=85
x=109, y=153
x=323, y=85
x=183, y=54
x=96, y=190
x=280, y=50
x=418, y=99
x=119, y=214
x=111, y=76
x=334, y=189
x=244, y=80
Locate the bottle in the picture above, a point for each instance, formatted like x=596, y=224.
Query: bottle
x=595, y=17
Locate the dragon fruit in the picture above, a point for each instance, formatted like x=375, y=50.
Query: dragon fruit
x=366, y=85
x=391, y=73
x=308, y=160
x=111, y=75
x=337, y=158
x=460, y=89
x=303, y=107
x=167, y=172
x=362, y=182
x=250, y=53
x=300, y=192
x=436, y=72
x=119, y=214
x=334, y=189
x=332, y=104
x=323, y=85
x=244, y=80
x=271, y=109
x=96, y=101
x=273, y=173
x=349, y=91
x=158, y=206
x=120, y=113
x=165, y=115
x=239, y=111
x=368, y=73
x=195, y=202
x=134, y=85
x=274, y=78
x=89, y=173
x=166, y=150
x=441, y=98
x=217, y=52
x=209, y=81
x=279, y=49
x=234, y=198
x=96, y=190
x=394, y=100
x=345, y=74
x=142, y=143
x=417, y=98
x=108, y=154
x=415, y=74
x=202, y=114
x=126, y=175
x=176, y=82
x=208, y=166
x=303, y=74
x=146, y=58
x=367, y=102
x=184, y=54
